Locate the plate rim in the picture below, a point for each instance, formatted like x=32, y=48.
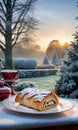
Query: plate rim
x=37, y=112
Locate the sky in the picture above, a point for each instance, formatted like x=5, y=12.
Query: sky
x=57, y=21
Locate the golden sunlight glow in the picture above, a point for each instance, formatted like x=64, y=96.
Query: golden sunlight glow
x=44, y=41
x=62, y=41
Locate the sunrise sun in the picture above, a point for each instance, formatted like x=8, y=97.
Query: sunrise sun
x=62, y=41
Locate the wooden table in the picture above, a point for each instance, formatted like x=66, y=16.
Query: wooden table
x=10, y=120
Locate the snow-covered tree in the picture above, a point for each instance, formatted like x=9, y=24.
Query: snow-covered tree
x=67, y=86
x=45, y=60
x=15, y=21
x=55, y=59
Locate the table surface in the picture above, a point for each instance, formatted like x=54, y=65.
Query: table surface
x=16, y=120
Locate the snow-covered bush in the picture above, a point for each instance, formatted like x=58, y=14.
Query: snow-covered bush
x=37, y=73
x=20, y=86
x=24, y=63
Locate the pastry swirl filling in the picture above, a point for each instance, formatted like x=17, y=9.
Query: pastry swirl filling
x=49, y=103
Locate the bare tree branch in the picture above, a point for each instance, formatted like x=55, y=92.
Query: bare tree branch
x=24, y=29
x=2, y=27
x=2, y=46
x=2, y=18
x=19, y=31
x=4, y=1
x=26, y=8
x=22, y=41
x=14, y=4
x=3, y=10
x=2, y=32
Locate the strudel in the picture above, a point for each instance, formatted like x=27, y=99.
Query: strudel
x=38, y=99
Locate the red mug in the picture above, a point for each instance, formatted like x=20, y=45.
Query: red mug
x=9, y=78
x=9, y=74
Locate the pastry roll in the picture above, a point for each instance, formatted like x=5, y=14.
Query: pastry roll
x=38, y=99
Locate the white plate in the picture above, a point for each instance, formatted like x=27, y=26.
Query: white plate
x=63, y=106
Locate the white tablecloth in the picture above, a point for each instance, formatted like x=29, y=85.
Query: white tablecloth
x=15, y=120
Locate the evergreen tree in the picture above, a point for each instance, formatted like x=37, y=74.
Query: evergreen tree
x=45, y=60
x=55, y=59
x=67, y=85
